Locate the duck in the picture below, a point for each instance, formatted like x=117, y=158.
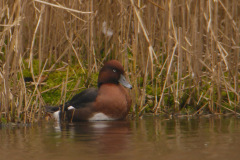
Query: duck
x=110, y=101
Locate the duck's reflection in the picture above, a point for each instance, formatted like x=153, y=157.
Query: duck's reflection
x=108, y=136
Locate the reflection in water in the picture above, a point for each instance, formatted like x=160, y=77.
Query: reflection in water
x=149, y=138
x=108, y=136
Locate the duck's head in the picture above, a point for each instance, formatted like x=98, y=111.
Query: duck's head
x=113, y=72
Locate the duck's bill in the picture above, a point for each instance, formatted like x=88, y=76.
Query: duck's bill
x=124, y=82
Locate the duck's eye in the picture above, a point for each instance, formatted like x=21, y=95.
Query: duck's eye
x=114, y=70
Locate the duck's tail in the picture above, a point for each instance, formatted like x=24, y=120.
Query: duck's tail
x=54, y=112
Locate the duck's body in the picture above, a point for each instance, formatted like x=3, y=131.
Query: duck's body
x=110, y=101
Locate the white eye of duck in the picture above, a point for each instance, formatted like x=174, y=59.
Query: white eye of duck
x=114, y=70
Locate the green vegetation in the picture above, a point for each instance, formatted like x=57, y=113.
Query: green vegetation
x=52, y=87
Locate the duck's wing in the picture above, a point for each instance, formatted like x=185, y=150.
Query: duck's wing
x=52, y=109
x=82, y=99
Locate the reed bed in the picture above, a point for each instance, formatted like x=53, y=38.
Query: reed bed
x=181, y=56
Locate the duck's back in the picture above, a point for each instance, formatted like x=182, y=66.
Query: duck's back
x=83, y=98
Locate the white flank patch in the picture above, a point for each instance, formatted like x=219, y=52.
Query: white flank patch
x=71, y=108
x=56, y=116
x=100, y=117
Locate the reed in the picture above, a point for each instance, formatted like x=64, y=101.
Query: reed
x=181, y=56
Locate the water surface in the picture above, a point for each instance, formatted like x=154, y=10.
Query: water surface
x=152, y=137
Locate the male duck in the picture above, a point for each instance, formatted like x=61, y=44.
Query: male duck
x=110, y=101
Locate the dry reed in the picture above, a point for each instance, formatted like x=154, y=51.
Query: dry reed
x=180, y=55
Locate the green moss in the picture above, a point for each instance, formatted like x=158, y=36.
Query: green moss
x=26, y=70
x=140, y=81
x=149, y=90
x=147, y=109
x=58, y=77
x=3, y=120
x=26, y=73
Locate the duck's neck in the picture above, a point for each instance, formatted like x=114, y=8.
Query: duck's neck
x=100, y=84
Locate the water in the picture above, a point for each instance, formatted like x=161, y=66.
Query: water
x=148, y=138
